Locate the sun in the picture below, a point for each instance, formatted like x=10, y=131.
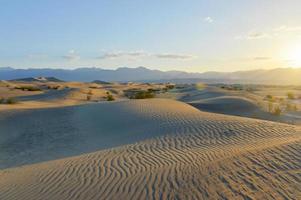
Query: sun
x=295, y=57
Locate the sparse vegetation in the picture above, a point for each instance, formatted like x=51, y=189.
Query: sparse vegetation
x=27, y=88
x=232, y=87
x=290, y=95
x=170, y=86
x=143, y=95
x=9, y=100
x=200, y=86
x=270, y=98
x=89, y=97
x=110, y=97
x=56, y=87
x=277, y=111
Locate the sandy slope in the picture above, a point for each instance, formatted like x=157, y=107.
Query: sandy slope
x=181, y=153
x=238, y=103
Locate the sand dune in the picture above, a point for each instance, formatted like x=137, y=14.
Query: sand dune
x=232, y=105
x=175, y=152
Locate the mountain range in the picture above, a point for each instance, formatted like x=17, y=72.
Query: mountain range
x=279, y=76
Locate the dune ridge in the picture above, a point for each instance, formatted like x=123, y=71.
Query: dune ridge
x=197, y=155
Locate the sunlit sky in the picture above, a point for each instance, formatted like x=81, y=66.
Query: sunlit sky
x=190, y=35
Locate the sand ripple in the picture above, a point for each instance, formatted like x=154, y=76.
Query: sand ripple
x=197, y=155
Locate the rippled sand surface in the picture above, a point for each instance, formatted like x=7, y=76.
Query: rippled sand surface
x=148, y=149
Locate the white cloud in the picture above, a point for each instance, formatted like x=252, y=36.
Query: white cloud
x=288, y=29
x=129, y=55
x=174, y=56
x=71, y=56
x=208, y=19
x=253, y=36
x=261, y=58
x=139, y=54
x=280, y=31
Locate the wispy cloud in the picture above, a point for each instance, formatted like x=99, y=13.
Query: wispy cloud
x=208, y=19
x=115, y=55
x=262, y=58
x=253, y=36
x=140, y=54
x=288, y=29
x=71, y=56
x=271, y=33
x=174, y=56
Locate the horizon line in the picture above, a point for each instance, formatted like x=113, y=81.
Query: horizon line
x=114, y=69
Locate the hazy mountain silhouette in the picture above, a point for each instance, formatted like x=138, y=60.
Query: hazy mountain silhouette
x=273, y=76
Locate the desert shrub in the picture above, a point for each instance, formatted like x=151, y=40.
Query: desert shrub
x=56, y=87
x=290, y=95
x=11, y=100
x=200, y=86
x=28, y=88
x=89, y=97
x=110, y=97
x=150, y=90
x=143, y=95
x=2, y=100
x=269, y=96
x=277, y=111
x=232, y=87
x=170, y=87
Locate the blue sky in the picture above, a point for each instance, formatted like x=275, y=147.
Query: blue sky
x=192, y=35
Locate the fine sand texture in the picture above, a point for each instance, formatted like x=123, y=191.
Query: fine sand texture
x=146, y=149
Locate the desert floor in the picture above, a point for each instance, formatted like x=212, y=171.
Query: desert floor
x=192, y=142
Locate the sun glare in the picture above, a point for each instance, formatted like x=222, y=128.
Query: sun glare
x=295, y=57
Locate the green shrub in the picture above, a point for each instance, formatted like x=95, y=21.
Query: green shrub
x=2, y=100
x=56, y=87
x=11, y=100
x=269, y=96
x=169, y=87
x=143, y=95
x=290, y=95
x=277, y=111
x=27, y=88
x=110, y=97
